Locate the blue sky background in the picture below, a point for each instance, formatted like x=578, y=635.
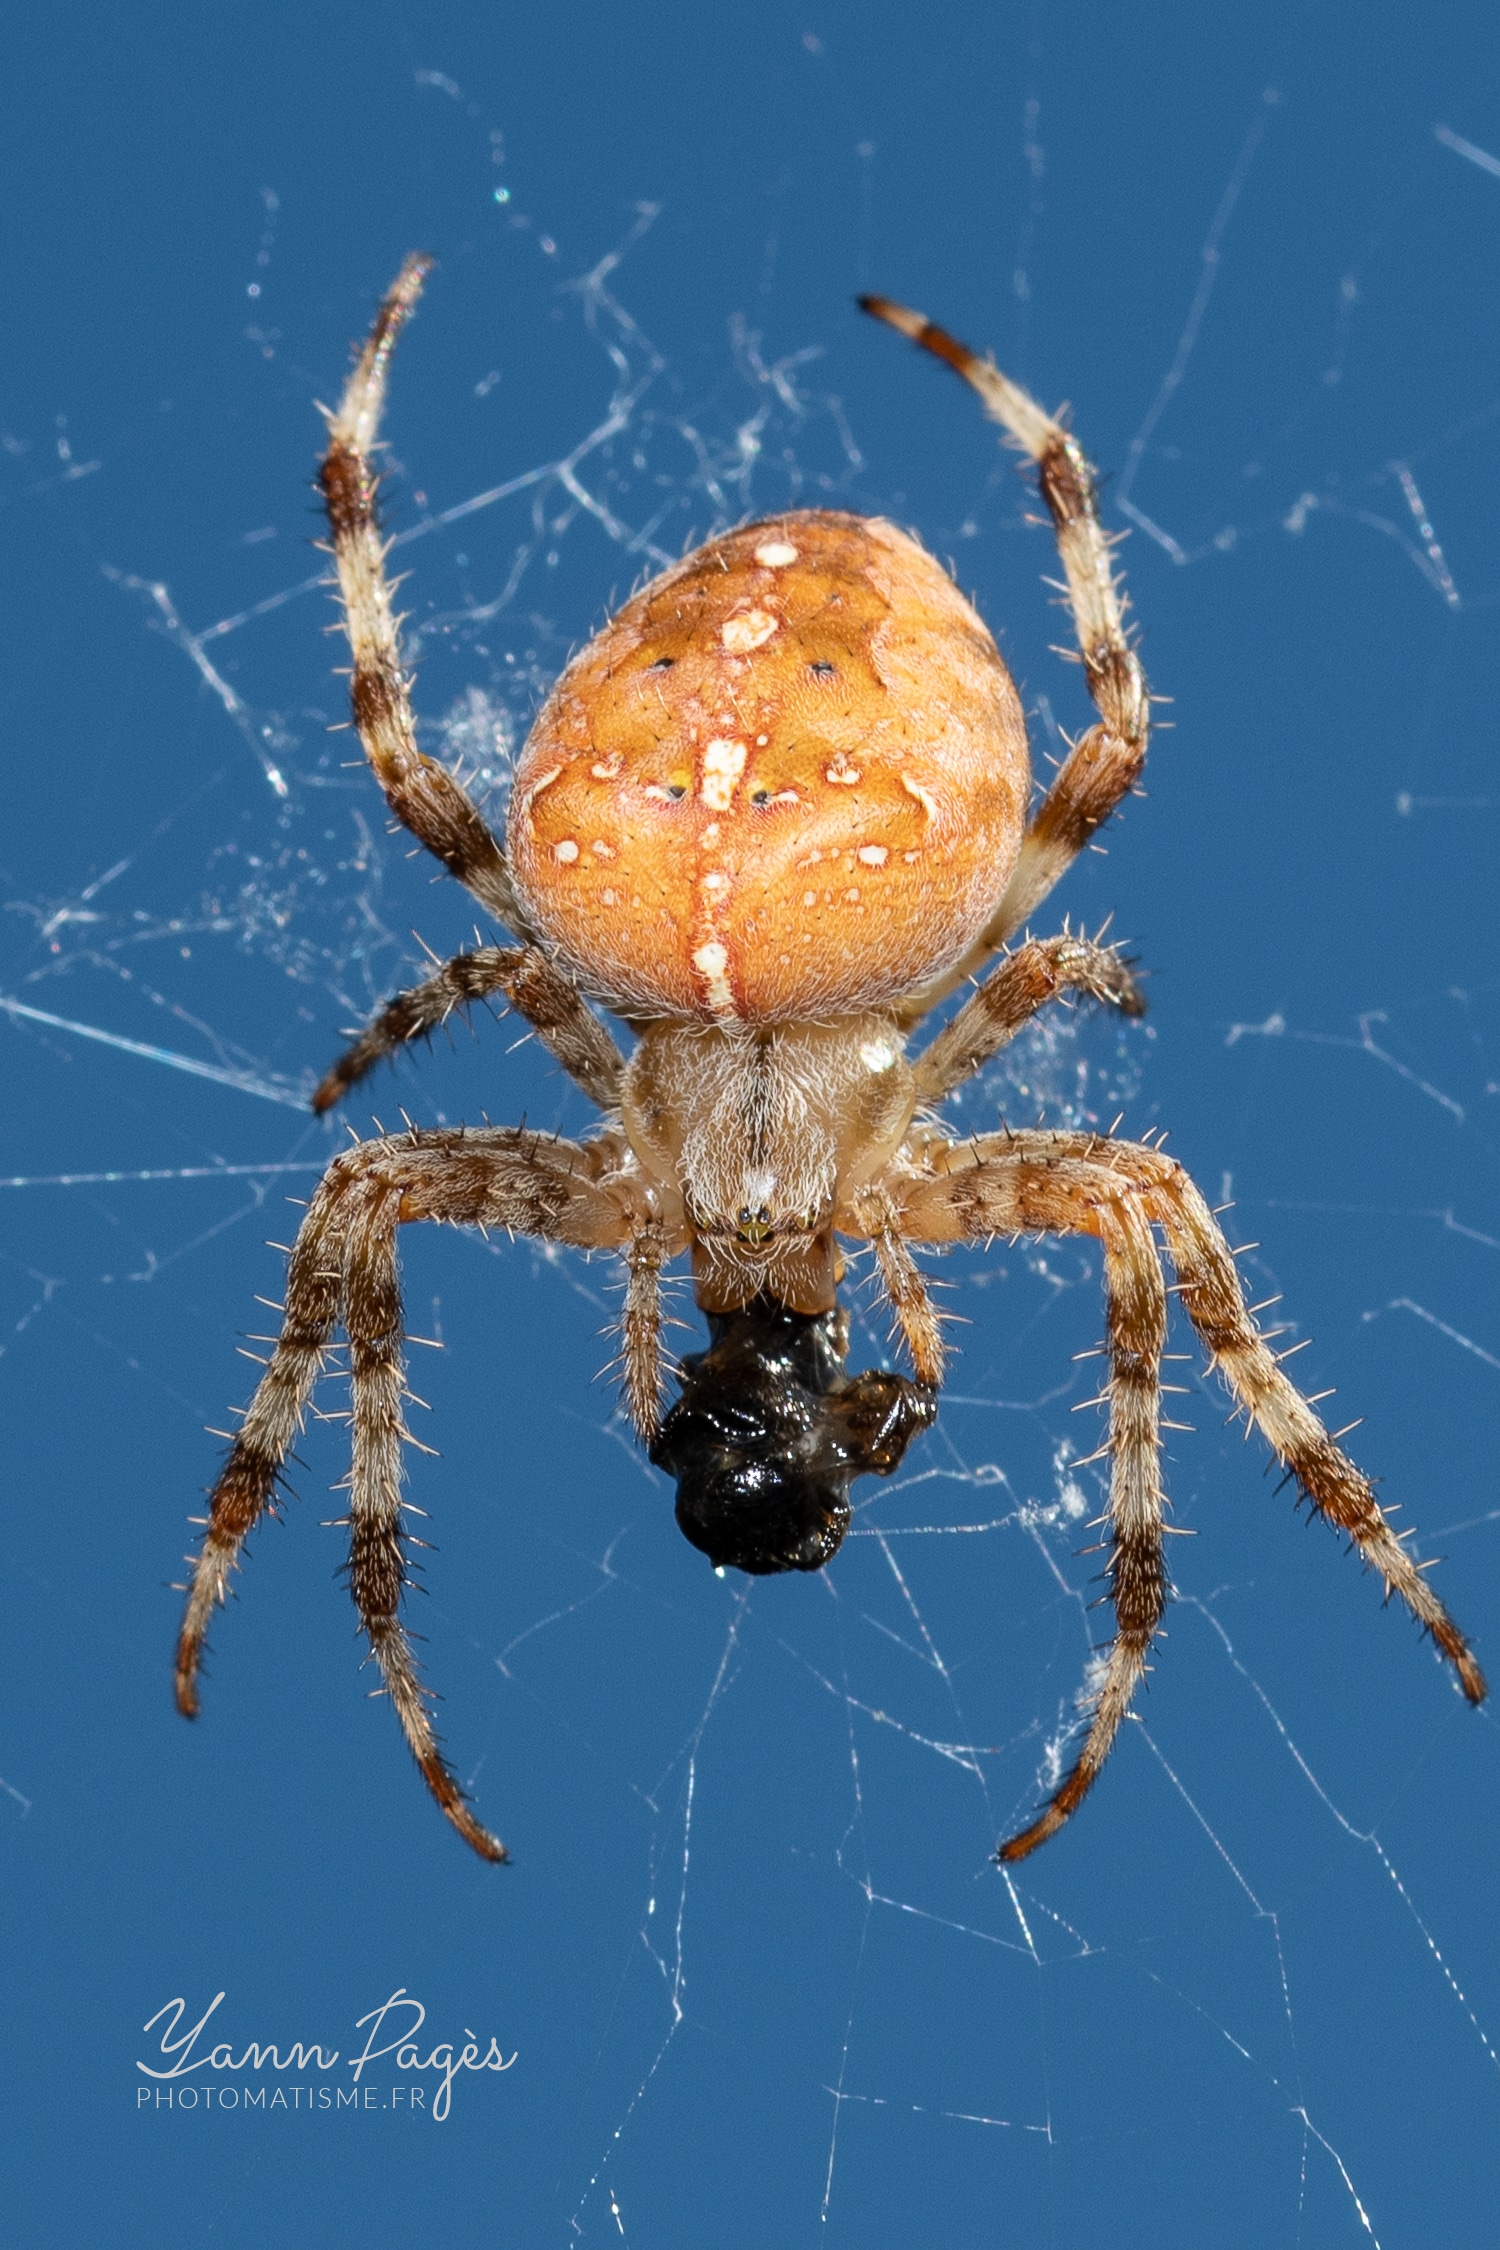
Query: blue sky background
x=760, y=1977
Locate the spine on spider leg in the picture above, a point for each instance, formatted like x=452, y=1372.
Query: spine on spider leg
x=1210, y=1291
x=640, y=1331
x=1136, y=1573
x=416, y=1013
x=247, y=1483
x=421, y=793
x=537, y=990
x=379, y=1566
x=1116, y=681
x=1106, y=762
x=906, y=1288
x=1100, y=771
x=1012, y=994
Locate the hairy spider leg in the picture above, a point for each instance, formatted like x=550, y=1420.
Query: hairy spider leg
x=1105, y=763
x=640, y=1362
x=534, y=987
x=878, y=1219
x=421, y=793
x=343, y=1272
x=1042, y=970
x=1078, y=1183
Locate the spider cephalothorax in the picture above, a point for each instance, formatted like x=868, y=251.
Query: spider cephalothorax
x=772, y=816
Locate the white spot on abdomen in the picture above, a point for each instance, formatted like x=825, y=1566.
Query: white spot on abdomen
x=545, y=782
x=567, y=852
x=723, y=763
x=712, y=964
x=776, y=554
x=872, y=855
x=924, y=797
x=751, y=629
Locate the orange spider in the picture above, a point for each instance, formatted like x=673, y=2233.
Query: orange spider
x=771, y=817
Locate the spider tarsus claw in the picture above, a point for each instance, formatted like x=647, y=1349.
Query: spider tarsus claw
x=1021, y=1847
x=913, y=325
x=448, y=1794
x=488, y=1847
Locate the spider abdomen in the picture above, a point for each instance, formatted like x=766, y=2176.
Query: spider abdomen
x=787, y=780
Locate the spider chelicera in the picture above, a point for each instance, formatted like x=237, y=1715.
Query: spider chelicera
x=771, y=817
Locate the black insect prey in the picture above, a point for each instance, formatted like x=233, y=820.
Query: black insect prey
x=770, y=1432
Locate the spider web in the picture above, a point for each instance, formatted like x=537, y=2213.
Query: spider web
x=760, y=1815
